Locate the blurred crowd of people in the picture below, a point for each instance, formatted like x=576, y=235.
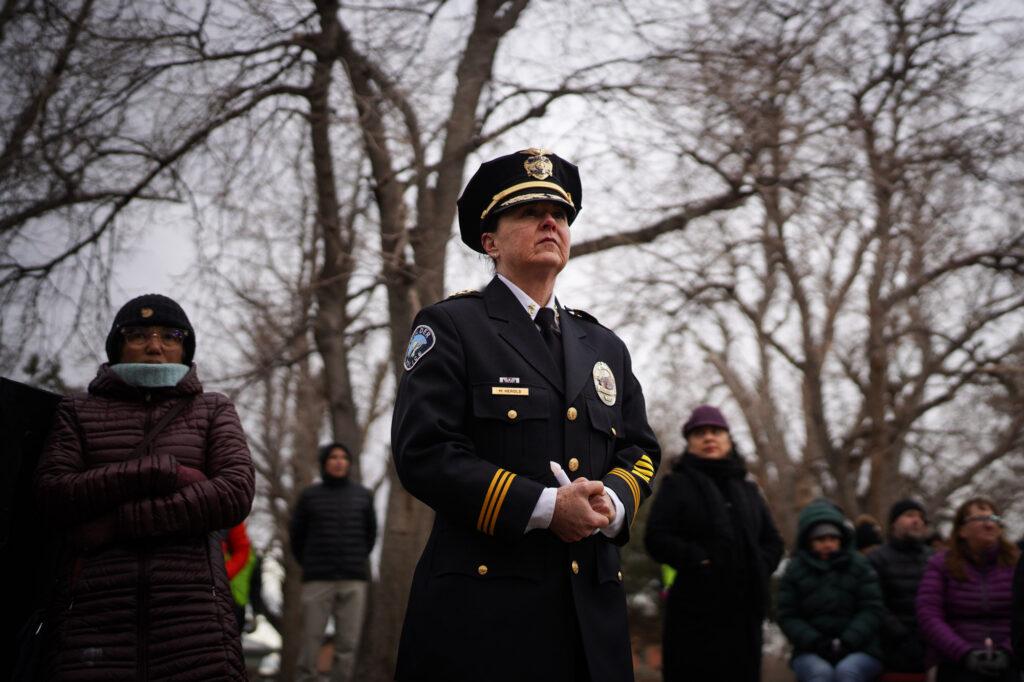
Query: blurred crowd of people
x=856, y=601
x=151, y=479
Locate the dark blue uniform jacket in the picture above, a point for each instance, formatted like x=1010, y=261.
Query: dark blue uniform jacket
x=480, y=412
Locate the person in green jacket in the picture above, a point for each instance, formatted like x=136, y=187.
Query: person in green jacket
x=830, y=601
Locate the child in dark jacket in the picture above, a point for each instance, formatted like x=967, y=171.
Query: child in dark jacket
x=830, y=602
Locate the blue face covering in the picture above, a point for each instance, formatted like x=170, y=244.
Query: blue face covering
x=149, y=375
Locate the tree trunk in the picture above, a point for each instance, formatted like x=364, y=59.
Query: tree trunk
x=880, y=454
x=409, y=522
x=331, y=322
x=309, y=409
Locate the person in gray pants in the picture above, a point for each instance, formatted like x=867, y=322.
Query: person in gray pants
x=332, y=532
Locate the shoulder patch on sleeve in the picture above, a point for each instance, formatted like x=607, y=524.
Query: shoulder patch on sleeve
x=462, y=293
x=582, y=314
x=420, y=343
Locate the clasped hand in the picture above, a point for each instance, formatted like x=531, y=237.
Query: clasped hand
x=581, y=508
x=987, y=663
x=103, y=530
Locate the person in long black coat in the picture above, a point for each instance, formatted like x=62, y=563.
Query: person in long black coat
x=712, y=526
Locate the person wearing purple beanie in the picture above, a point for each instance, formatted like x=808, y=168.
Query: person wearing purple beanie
x=711, y=524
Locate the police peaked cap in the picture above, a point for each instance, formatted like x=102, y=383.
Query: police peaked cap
x=527, y=176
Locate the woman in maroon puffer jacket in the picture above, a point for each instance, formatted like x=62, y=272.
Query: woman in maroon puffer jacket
x=964, y=599
x=143, y=594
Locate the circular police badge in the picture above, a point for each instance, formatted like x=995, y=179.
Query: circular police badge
x=420, y=343
x=604, y=382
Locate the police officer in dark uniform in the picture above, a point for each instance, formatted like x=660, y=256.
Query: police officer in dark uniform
x=519, y=421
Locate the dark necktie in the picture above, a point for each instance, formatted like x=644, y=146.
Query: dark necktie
x=552, y=339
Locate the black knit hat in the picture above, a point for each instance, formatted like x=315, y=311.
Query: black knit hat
x=526, y=176
x=905, y=505
x=150, y=310
x=866, y=534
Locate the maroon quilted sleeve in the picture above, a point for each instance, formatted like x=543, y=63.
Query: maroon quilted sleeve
x=69, y=494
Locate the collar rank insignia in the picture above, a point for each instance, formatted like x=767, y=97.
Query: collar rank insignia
x=538, y=166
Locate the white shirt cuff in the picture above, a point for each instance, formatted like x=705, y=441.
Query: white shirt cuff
x=545, y=509
x=613, y=528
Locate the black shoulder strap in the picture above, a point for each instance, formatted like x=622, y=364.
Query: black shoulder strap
x=582, y=314
x=464, y=292
x=170, y=414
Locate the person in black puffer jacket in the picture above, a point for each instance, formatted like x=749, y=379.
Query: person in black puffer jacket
x=332, y=532
x=900, y=564
x=712, y=525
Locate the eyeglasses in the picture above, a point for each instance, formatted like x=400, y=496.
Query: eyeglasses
x=994, y=518
x=137, y=337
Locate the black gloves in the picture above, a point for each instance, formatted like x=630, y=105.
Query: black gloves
x=987, y=663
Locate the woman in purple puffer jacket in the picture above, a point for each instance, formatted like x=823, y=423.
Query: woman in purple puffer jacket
x=964, y=599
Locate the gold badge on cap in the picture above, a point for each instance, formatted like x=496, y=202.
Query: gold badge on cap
x=604, y=383
x=538, y=166
x=146, y=312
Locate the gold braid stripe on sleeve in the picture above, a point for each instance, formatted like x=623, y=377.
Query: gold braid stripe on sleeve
x=634, y=487
x=500, y=483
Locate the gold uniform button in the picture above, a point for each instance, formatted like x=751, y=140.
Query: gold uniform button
x=574, y=464
x=575, y=566
x=620, y=576
x=614, y=432
x=482, y=569
x=571, y=413
x=512, y=414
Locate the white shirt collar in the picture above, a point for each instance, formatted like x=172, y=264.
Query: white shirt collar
x=528, y=303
